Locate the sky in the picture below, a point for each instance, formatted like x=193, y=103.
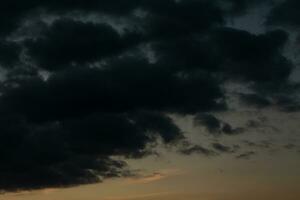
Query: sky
x=149, y=100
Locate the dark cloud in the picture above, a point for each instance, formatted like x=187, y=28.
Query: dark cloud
x=290, y=146
x=115, y=7
x=230, y=54
x=190, y=16
x=197, y=149
x=255, y=58
x=14, y=13
x=246, y=155
x=76, y=151
x=9, y=54
x=255, y=100
x=209, y=121
x=171, y=18
x=262, y=144
x=193, y=53
x=288, y=103
x=11, y=15
x=229, y=130
x=56, y=48
x=240, y=7
x=94, y=113
x=222, y=148
x=77, y=92
x=218, y=149
x=216, y=126
x=285, y=13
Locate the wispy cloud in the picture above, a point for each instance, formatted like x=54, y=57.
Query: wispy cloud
x=156, y=176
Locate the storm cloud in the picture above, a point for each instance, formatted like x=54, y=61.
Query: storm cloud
x=81, y=89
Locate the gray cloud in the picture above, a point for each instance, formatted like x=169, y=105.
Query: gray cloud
x=102, y=96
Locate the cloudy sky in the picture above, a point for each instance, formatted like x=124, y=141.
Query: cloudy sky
x=149, y=100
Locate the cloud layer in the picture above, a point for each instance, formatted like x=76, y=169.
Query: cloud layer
x=88, y=81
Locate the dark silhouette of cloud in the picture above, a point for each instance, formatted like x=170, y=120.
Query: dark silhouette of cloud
x=239, y=7
x=15, y=12
x=290, y=146
x=262, y=144
x=216, y=126
x=251, y=57
x=285, y=13
x=229, y=130
x=246, y=155
x=209, y=121
x=197, y=149
x=255, y=100
x=76, y=151
x=9, y=54
x=56, y=48
x=222, y=148
x=182, y=17
x=288, y=103
x=78, y=92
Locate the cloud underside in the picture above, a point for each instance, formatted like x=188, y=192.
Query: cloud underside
x=79, y=89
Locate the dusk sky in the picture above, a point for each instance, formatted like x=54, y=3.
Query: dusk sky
x=150, y=100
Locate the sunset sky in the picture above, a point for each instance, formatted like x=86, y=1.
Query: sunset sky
x=150, y=100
